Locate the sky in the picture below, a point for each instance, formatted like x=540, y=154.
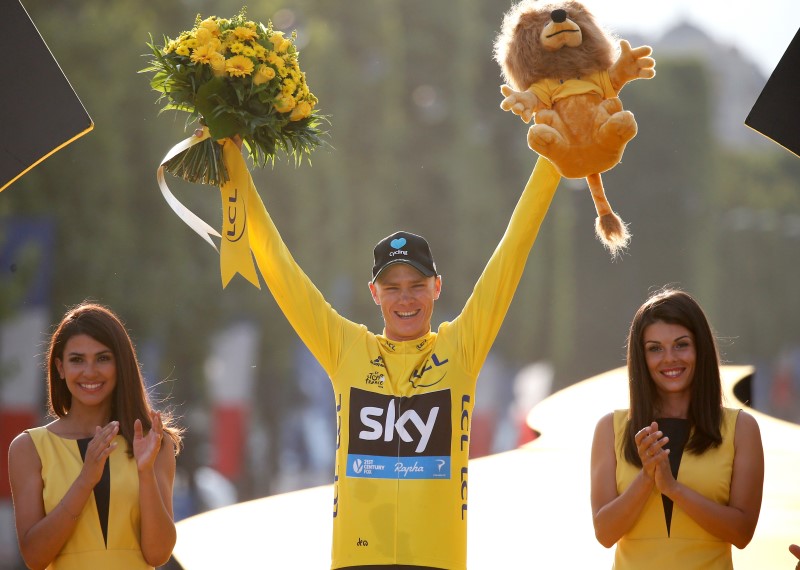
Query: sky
x=761, y=30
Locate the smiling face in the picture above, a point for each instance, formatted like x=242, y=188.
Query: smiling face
x=89, y=369
x=406, y=299
x=670, y=354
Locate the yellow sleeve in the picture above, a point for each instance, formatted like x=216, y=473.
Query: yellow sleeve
x=543, y=91
x=479, y=322
x=317, y=324
x=604, y=81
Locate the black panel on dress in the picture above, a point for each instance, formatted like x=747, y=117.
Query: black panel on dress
x=102, y=491
x=677, y=430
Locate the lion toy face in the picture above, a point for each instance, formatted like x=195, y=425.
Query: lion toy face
x=555, y=40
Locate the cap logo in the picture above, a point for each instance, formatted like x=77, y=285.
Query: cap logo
x=398, y=243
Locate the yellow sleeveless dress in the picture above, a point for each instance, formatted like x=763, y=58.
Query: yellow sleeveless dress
x=688, y=546
x=88, y=548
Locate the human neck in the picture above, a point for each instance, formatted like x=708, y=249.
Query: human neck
x=676, y=407
x=81, y=421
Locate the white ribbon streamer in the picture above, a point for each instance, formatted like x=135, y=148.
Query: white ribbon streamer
x=189, y=218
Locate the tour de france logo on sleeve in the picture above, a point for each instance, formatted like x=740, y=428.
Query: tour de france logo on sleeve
x=394, y=437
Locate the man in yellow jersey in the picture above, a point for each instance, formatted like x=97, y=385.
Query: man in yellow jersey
x=404, y=398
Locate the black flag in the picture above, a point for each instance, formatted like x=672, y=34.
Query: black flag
x=776, y=113
x=39, y=111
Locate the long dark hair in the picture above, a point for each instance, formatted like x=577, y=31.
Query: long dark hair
x=129, y=400
x=675, y=307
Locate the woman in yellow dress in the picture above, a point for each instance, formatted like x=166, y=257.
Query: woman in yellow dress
x=677, y=478
x=93, y=489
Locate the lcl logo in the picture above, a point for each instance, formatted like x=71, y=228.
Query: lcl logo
x=234, y=215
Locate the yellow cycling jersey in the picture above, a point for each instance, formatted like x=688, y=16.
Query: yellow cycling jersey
x=403, y=408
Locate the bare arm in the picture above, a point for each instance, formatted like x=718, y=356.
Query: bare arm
x=615, y=514
x=736, y=521
x=42, y=535
x=155, y=461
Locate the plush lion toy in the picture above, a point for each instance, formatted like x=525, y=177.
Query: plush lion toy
x=562, y=71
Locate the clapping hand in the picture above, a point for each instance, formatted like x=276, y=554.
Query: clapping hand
x=97, y=452
x=650, y=444
x=146, y=447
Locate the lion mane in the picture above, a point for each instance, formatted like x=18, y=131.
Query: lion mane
x=524, y=61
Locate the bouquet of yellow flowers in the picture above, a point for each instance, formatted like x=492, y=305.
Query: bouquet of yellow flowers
x=242, y=81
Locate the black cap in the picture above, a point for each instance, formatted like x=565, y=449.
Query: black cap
x=403, y=247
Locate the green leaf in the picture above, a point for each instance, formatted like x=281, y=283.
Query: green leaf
x=220, y=124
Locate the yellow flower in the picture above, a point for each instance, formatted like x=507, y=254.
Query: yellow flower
x=261, y=52
x=202, y=54
x=244, y=34
x=279, y=43
x=276, y=60
x=263, y=74
x=301, y=111
x=190, y=43
x=203, y=36
x=288, y=86
x=248, y=51
x=239, y=66
x=211, y=25
x=182, y=49
x=284, y=103
x=237, y=47
x=217, y=64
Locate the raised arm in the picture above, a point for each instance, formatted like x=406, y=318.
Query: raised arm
x=736, y=521
x=321, y=328
x=42, y=535
x=480, y=320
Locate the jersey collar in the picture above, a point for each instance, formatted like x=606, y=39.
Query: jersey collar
x=407, y=346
